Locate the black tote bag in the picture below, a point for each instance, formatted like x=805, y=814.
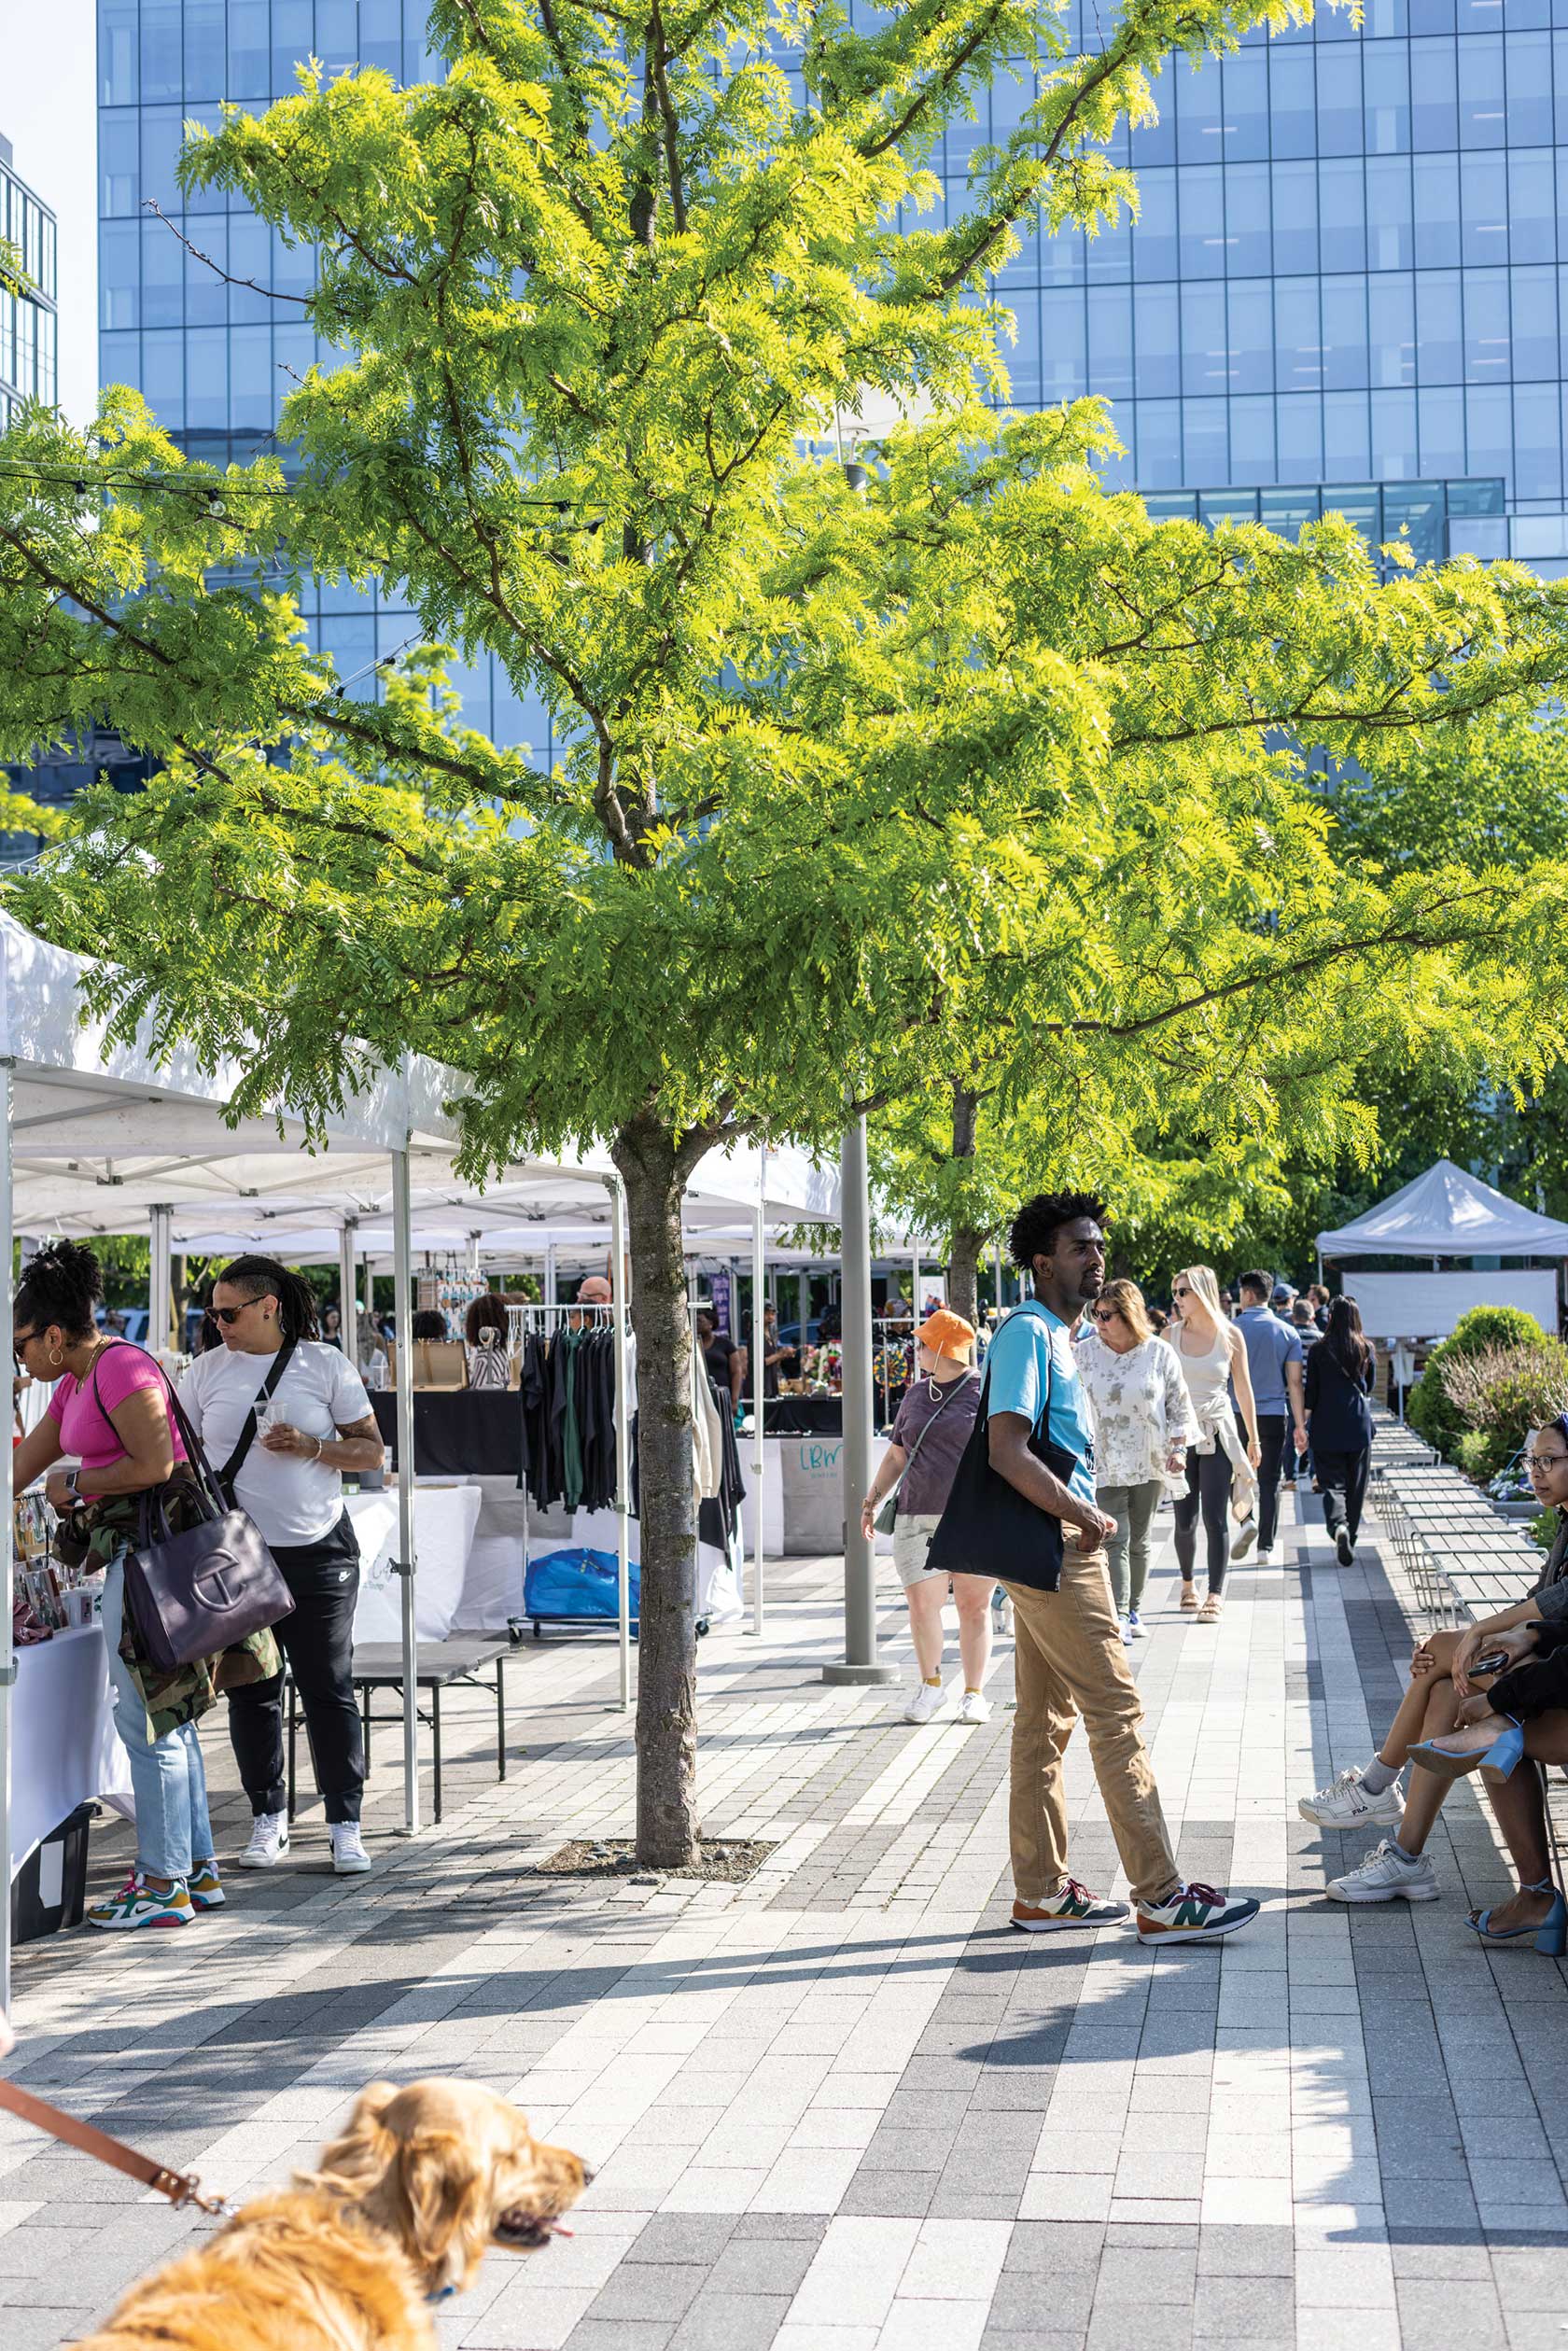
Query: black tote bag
x=988, y=1528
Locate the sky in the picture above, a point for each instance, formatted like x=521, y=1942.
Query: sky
x=47, y=111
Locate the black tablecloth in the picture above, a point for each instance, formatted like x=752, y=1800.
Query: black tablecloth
x=803, y=1416
x=459, y=1431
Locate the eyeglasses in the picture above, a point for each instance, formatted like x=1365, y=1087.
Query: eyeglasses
x=1545, y=1461
x=233, y=1313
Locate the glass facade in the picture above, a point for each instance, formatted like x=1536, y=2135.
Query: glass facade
x=28, y=338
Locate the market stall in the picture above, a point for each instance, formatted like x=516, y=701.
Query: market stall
x=65, y=1750
x=1443, y=1222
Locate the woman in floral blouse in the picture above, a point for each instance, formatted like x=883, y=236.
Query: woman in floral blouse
x=1143, y=1424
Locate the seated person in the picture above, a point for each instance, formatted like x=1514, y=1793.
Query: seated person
x=1440, y=1684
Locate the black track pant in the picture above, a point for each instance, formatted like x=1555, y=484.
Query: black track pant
x=1343, y=1479
x=318, y=1640
x=1209, y=1494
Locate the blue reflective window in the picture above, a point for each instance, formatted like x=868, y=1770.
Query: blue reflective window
x=1486, y=325
x=1339, y=101
x=1198, y=116
x=1432, y=16
x=1295, y=217
x=1155, y=142
x=337, y=36
x=1300, y=433
x=1489, y=428
x=1063, y=376
x=1532, y=204
x=1560, y=76
x=1342, y=213
x=1205, y=355
x=1251, y=440
x=249, y=58
x=1157, y=340
x=1111, y=341
x=1534, y=305
x=1440, y=353
x=1344, y=333
x=381, y=39
x=1435, y=179
x=1205, y=444
x=1249, y=240
x=163, y=378
x=162, y=276
x=293, y=34
x=119, y=53
x=1346, y=449
x=1153, y=248
x=1527, y=59
x=1246, y=106
x=162, y=138
x=1538, y=453
x=1108, y=257
x=1394, y=442
x=1200, y=203
x=1391, y=330
x=1440, y=415
x=1297, y=336
x=1387, y=89
x=1434, y=100
x=120, y=186
x=253, y=392
x=161, y=50
x=1483, y=192
x=1292, y=101
x=118, y=275
x=205, y=49
x=1391, y=232
x=250, y=256
x=1482, y=113
x=206, y=370
x=1251, y=334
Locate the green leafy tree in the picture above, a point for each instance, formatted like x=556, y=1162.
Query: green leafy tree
x=960, y=782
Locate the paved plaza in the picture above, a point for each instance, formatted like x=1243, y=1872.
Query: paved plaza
x=842, y=2107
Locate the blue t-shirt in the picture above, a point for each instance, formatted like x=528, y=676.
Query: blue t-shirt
x=1032, y=1352
x=1271, y=1344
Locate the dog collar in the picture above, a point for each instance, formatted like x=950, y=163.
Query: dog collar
x=441, y=2294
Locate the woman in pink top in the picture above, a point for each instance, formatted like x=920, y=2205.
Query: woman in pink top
x=110, y=1407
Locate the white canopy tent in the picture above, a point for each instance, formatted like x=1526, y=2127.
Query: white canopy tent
x=1448, y=1213
x=99, y=1138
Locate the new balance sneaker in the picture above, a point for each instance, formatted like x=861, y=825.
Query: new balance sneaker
x=206, y=1887
x=1387, y=1874
x=1074, y=1906
x=926, y=1701
x=975, y=1708
x=349, y=1857
x=1193, y=1914
x=1135, y=1625
x=269, y=1841
x=1345, y=1803
x=1344, y=1550
x=1243, y=1539
x=137, y=1904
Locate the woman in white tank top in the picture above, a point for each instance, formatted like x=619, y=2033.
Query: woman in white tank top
x=1213, y=1354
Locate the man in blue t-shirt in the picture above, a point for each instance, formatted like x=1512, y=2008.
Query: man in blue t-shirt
x=1068, y=1658
x=1274, y=1361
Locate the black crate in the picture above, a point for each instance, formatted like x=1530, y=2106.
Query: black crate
x=49, y=1890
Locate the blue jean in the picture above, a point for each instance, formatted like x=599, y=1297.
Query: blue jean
x=173, y=1830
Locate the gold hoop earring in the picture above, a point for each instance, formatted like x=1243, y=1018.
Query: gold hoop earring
x=55, y=1361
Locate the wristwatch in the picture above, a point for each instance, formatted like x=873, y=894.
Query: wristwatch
x=73, y=1491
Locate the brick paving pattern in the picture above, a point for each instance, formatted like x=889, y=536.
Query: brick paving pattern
x=842, y=2108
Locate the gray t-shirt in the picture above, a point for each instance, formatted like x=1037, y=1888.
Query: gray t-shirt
x=929, y=1480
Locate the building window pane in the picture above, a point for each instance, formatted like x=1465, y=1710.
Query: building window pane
x=1534, y=298
x=1434, y=105
x=1486, y=325
x=1292, y=101
x=1158, y=345
x=1249, y=244
x=1387, y=95
x=1297, y=337
x=1436, y=185
x=1439, y=340
x=1295, y=217
x=1483, y=190
x=1342, y=214
x=1201, y=196
x=1482, y=115
x=1250, y=312
x=1391, y=236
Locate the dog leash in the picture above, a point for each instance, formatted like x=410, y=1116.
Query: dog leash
x=181, y=2188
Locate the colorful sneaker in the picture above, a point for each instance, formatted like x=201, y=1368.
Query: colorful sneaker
x=1344, y=1804
x=1074, y=1906
x=1193, y=1914
x=973, y=1708
x=206, y=1886
x=1387, y=1874
x=925, y=1702
x=269, y=1841
x=349, y=1857
x=1135, y=1626
x=138, y=1905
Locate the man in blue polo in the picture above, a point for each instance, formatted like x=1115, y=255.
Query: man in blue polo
x=1275, y=1359
x=1069, y=1656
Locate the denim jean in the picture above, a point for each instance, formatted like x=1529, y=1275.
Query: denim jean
x=170, y=1787
x=1127, y=1550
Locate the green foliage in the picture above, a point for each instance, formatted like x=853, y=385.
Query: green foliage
x=1474, y=1451
x=1429, y=1409
x=1542, y=1528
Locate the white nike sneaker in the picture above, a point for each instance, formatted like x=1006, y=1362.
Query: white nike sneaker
x=1387, y=1875
x=269, y=1841
x=1344, y=1804
x=349, y=1857
x=975, y=1708
x=925, y=1702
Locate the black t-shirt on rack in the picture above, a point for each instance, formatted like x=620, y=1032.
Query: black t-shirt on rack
x=715, y=1355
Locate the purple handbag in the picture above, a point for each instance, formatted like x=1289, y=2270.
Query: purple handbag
x=195, y=1593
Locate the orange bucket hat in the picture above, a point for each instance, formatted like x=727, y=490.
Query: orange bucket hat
x=946, y=1334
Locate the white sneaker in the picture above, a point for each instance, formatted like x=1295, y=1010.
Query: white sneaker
x=1387, y=1875
x=975, y=1708
x=1136, y=1628
x=1344, y=1804
x=349, y=1857
x=925, y=1702
x=1344, y=1550
x=1126, y=1631
x=1243, y=1539
x=269, y=1841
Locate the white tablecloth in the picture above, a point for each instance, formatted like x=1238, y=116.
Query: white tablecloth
x=444, y=1519
x=65, y=1747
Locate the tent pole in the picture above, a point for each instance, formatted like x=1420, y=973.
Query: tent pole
x=402, y=1275
x=915, y=1282
x=7, y=1650
x=548, y=1273
x=861, y=1663
x=622, y=1444
x=348, y=1310
x=160, y=1291
x=759, y=1381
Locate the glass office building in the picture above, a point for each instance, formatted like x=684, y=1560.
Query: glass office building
x=27, y=320
x=1344, y=288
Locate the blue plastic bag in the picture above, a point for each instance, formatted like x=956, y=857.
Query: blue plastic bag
x=580, y=1584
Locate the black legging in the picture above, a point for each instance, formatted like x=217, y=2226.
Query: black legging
x=1208, y=1491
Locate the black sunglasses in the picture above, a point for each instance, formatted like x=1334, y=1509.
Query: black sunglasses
x=233, y=1313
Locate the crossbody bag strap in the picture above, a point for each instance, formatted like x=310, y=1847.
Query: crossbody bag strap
x=200, y=1468
x=269, y=1389
x=914, y=1450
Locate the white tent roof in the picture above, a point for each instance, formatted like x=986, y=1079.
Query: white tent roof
x=103, y=1134
x=1447, y=1212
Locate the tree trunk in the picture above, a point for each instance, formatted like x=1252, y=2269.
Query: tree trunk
x=667, y=1828
x=963, y=1273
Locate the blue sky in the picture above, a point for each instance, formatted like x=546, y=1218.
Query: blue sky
x=46, y=112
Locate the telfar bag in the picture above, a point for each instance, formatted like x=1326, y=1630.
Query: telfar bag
x=989, y=1528
x=196, y=1593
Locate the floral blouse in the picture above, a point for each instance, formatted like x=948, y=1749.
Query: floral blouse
x=1141, y=1408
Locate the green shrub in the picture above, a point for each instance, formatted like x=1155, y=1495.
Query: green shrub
x=1543, y=1528
x=1500, y=1395
x=1428, y=1409
x=1473, y=1452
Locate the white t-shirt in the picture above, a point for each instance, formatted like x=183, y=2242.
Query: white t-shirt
x=291, y=1501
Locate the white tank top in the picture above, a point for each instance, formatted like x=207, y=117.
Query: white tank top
x=1208, y=1376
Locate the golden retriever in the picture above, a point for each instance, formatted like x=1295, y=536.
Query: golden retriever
x=400, y=2213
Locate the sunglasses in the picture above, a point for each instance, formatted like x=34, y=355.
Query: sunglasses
x=1109, y=1316
x=233, y=1313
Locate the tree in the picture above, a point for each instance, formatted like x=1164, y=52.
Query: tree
x=856, y=792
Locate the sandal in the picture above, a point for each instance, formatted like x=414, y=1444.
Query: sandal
x=1210, y=1612
x=1189, y=1600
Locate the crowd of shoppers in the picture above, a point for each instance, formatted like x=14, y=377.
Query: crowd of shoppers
x=1223, y=1454
x=1144, y=1428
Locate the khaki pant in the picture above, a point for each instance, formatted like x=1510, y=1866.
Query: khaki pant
x=1069, y=1659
